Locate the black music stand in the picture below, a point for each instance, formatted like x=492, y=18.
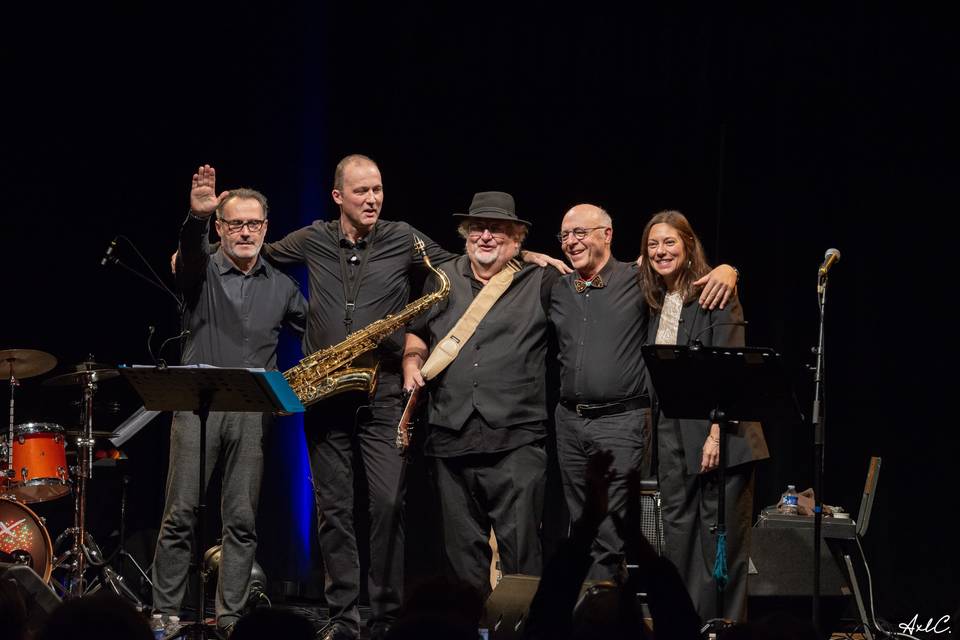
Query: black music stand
x=202, y=390
x=723, y=385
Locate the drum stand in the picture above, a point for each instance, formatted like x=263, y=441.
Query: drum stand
x=109, y=577
x=84, y=552
x=7, y=449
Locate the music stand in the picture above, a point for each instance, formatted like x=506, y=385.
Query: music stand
x=723, y=385
x=202, y=390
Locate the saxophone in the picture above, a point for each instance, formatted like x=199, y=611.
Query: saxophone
x=328, y=372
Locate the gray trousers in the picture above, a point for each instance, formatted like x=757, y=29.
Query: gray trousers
x=624, y=435
x=238, y=438
x=689, y=504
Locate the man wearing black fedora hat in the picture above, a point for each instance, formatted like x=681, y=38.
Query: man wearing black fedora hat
x=487, y=406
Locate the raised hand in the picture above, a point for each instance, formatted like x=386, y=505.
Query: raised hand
x=203, y=191
x=598, y=478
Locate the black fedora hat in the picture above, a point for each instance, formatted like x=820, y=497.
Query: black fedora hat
x=492, y=205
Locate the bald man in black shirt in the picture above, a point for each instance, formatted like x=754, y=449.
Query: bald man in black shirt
x=600, y=316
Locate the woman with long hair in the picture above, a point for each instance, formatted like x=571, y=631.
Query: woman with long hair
x=688, y=450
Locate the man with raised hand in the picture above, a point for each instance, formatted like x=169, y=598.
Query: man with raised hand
x=234, y=306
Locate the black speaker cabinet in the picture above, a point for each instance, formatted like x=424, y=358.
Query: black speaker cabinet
x=781, y=575
x=652, y=518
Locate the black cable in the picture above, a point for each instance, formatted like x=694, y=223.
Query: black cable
x=148, y=265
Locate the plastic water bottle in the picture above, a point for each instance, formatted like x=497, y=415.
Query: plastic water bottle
x=173, y=626
x=156, y=626
x=789, y=505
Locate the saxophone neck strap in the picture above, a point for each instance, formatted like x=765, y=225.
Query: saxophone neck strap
x=449, y=347
x=351, y=286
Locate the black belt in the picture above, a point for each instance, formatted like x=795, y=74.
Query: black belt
x=606, y=408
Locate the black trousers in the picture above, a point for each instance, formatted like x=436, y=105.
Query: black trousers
x=339, y=432
x=624, y=435
x=689, y=503
x=499, y=490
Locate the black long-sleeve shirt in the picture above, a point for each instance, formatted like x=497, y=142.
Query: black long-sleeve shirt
x=334, y=264
x=234, y=318
x=600, y=332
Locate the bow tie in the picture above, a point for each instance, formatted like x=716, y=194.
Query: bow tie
x=595, y=283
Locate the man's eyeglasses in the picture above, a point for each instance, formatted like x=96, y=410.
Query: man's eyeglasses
x=234, y=226
x=497, y=229
x=579, y=233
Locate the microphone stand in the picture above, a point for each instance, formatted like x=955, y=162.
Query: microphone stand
x=818, y=417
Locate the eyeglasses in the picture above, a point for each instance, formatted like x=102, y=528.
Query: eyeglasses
x=498, y=230
x=234, y=226
x=579, y=233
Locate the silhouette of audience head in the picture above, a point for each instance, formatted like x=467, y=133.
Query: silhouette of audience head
x=13, y=611
x=606, y=610
x=440, y=607
x=103, y=616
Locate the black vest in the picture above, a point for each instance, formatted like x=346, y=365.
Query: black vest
x=500, y=369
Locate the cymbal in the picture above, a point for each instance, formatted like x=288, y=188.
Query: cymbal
x=25, y=363
x=82, y=432
x=85, y=372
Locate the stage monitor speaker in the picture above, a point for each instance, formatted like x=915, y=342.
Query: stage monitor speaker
x=40, y=600
x=781, y=575
x=507, y=608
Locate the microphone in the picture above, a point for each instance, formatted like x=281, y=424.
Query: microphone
x=695, y=344
x=107, y=256
x=831, y=257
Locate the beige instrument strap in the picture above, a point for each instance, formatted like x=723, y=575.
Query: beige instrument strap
x=447, y=349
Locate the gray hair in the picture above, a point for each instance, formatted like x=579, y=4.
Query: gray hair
x=246, y=194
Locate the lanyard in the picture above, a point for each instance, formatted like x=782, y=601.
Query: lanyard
x=350, y=293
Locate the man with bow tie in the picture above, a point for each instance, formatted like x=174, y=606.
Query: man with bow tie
x=600, y=316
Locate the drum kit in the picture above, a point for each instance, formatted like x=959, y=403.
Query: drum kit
x=34, y=469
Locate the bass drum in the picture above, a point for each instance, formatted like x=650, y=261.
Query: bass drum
x=24, y=538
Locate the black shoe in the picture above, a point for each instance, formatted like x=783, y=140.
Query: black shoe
x=379, y=631
x=338, y=632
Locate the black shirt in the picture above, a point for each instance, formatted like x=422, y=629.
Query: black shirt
x=600, y=332
x=234, y=318
x=492, y=397
x=382, y=261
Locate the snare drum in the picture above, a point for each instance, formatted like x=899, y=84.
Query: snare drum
x=24, y=539
x=39, y=462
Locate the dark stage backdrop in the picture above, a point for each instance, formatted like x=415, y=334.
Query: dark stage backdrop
x=779, y=131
